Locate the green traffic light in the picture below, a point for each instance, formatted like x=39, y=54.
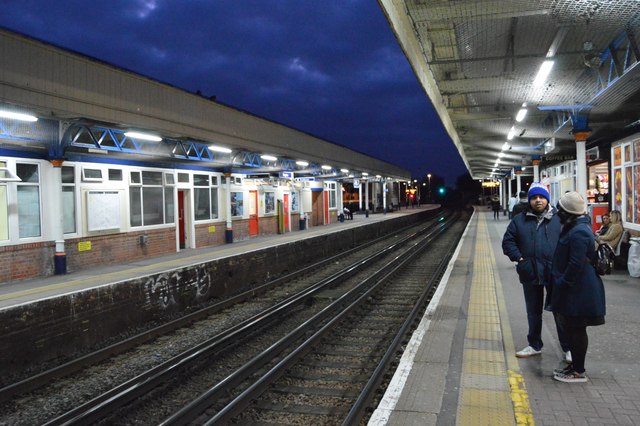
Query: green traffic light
x=441, y=190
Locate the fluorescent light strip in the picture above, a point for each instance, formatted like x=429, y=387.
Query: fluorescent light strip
x=268, y=157
x=521, y=114
x=302, y=163
x=543, y=73
x=143, y=136
x=17, y=116
x=221, y=149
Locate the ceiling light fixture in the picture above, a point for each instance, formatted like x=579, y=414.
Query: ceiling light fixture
x=365, y=174
x=269, y=157
x=325, y=167
x=17, y=116
x=505, y=146
x=543, y=73
x=344, y=170
x=143, y=136
x=512, y=133
x=221, y=149
x=302, y=163
x=522, y=113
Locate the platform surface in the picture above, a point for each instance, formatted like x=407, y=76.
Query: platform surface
x=460, y=366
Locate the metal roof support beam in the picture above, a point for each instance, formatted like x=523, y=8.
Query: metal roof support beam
x=510, y=47
x=610, y=58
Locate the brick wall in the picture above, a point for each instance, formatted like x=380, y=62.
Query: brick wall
x=116, y=248
x=23, y=261
x=268, y=225
x=210, y=235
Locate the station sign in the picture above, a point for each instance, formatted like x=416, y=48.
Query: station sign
x=286, y=175
x=305, y=179
x=356, y=183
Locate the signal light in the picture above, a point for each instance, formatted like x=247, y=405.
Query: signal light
x=441, y=190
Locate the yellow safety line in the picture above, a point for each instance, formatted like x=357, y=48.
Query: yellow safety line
x=492, y=391
x=519, y=395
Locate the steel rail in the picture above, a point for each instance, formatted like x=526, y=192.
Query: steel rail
x=365, y=397
x=122, y=394
x=41, y=379
x=355, y=297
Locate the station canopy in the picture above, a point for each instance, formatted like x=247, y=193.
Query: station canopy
x=481, y=62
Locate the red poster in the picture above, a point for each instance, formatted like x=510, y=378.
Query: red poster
x=629, y=186
x=636, y=195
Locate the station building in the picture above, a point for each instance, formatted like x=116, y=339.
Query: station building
x=99, y=165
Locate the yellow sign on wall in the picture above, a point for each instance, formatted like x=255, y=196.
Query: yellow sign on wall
x=84, y=246
x=212, y=229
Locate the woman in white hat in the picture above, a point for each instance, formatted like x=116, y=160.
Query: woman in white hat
x=577, y=296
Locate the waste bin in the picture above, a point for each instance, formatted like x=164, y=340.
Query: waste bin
x=341, y=217
x=633, y=261
x=303, y=224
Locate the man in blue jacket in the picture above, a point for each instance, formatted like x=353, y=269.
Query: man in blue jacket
x=530, y=240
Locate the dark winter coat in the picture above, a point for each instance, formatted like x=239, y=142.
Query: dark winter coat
x=534, y=243
x=577, y=288
x=522, y=206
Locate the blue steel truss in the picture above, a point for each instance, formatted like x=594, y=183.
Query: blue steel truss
x=104, y=138
x=618, y=59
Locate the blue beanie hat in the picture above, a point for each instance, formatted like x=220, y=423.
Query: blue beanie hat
x=537, y=188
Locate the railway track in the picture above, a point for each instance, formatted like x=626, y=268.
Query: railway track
x=171, y=383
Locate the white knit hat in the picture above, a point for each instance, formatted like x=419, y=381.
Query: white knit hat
x=573, y=203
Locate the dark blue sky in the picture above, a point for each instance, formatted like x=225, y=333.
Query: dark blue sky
x=330, y=68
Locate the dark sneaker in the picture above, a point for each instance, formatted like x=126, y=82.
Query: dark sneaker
x=571, y=377
x=563, y=370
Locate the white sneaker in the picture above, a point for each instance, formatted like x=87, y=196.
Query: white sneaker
x=567, y=357
x=527, y=352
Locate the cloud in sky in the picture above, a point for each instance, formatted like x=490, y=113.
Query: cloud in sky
x=332, y=68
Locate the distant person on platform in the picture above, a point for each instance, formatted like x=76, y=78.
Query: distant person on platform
x=347, y=213
x=613, y=234
x=513, y=200
x=530, y=240
x=495, y=206
x=522, y=205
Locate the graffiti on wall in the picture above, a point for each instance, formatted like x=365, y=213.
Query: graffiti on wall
x=179, y=287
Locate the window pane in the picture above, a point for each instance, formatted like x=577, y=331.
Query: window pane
x=135, y=206
x=269, y=202
x=93, y=174
x=68, y=209
x=200, y=180
x=237, y=204
x=202, y=204
x=4, y=217
x=28, y=173
x=168, y=205
x=135, y=177
x=152, y=178
x=152, y=206
x=115, y=174
x=214, y=180
x=28, y=211
x=68, y=175
x=214, y=203
x=183, y=177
